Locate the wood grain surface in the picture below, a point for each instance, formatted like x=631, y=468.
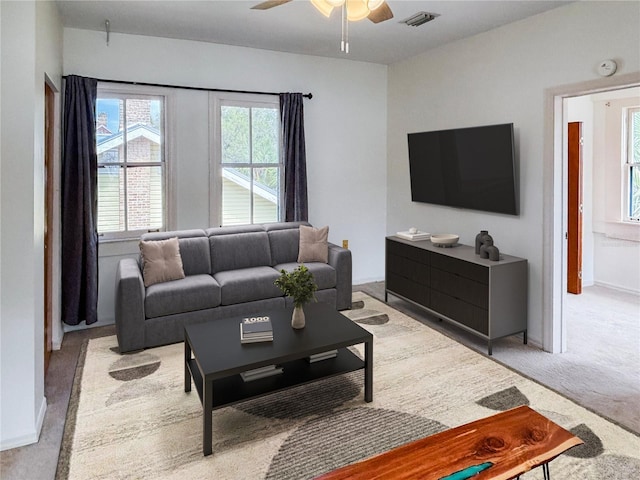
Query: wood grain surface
x=515, y=441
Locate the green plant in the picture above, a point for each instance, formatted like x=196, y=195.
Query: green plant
x=297, y=284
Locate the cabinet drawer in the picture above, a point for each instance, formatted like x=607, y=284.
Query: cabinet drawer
x=462, y=312
x=407, y=251
x=407, y=268
x=460, y=267
x=460, y=287
x=408, y=289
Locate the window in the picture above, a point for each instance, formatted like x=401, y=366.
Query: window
x=632, y=165
x=130, y=144
x=249, y=175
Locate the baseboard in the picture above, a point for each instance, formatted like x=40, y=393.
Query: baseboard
x=361, y=281
x=28, y=439
x=617, y=287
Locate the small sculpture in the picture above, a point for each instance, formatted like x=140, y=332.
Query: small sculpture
x=479, y=239
x=489, y=250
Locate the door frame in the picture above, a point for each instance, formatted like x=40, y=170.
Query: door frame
x=554, y=337
x=49, y=156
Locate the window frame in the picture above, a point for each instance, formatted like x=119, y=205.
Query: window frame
x=122, y=91
x=628, y=164
x=217, y=100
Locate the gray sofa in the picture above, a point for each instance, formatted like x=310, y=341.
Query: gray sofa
x=228, y=271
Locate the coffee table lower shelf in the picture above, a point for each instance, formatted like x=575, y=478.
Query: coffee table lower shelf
x=230, y=390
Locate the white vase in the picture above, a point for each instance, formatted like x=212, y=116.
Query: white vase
x=297, y=319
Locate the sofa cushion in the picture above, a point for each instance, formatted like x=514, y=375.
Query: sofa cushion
x=196, y=256
x=247, y=284
x=324, y=275
x=284, y=245
x=161, y=261
x=313, y=244
x=195, y=292
x=237, y=251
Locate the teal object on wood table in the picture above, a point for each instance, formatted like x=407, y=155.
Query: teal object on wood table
x=468, y=472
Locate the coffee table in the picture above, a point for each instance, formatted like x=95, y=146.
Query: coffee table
x=214, y=358
x=499, y=447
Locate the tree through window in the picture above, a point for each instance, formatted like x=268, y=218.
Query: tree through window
x=250, y=165
x=633, y=164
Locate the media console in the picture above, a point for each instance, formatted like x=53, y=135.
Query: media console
x=486, y=298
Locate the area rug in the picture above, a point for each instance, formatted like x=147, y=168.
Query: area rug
x=129, y=416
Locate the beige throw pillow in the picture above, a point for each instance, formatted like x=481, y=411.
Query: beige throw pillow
x=313, y=244
x=161, y=261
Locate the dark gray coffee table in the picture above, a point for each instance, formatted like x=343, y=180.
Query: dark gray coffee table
x=214, y=358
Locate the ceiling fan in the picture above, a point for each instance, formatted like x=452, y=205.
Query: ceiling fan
x=375, y=10
x=352, y=10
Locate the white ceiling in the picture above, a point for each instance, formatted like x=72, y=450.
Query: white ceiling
x=297, y=27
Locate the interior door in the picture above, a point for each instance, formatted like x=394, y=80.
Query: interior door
x=48, y=226
x=574, y=209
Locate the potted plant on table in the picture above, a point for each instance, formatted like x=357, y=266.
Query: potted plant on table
x=300, y=286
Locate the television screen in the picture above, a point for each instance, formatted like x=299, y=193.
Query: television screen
x=465, y=167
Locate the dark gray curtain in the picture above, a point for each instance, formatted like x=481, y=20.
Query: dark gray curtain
x=79, y=207
x=295, y=158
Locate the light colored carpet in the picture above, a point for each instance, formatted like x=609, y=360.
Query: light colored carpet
x=130, y=418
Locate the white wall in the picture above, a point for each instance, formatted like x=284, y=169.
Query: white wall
x=500, y=76
x=31, y=48
x=345, y=126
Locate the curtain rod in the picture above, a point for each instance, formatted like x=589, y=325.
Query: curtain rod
x=306, y=95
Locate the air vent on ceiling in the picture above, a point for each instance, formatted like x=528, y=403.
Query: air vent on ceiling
x=419, y=19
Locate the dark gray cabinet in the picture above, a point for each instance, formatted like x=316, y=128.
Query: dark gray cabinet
x=486, y=298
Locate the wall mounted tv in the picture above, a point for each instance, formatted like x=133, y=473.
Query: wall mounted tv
x=465, y=167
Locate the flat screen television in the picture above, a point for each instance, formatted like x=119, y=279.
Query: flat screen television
x=465, y=167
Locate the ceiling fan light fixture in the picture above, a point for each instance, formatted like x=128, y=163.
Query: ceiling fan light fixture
x=323, y=6
x=357, y=10
x=373, y=4
x=335, y=3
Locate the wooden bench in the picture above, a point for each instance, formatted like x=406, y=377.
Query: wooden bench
x=502, y=446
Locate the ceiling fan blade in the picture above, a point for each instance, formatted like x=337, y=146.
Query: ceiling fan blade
x=380, y=14
x=269, y=4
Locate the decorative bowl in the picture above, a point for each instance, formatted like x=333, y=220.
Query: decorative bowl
x=444, y=238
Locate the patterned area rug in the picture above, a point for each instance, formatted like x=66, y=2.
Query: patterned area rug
x=130, y=418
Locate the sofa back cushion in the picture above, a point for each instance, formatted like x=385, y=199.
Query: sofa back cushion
x=196, y=255
x=284, y=245
x=239, y=250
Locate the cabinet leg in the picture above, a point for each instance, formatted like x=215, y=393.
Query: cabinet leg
x=490, y=348
x=524, y=337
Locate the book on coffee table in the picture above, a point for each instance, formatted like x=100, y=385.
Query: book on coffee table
x=256, y=329
x=263, y=337
x=317, y=357
x=261, y=372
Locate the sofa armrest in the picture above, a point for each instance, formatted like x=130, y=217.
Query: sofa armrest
x=340, y=260
x=130, y=293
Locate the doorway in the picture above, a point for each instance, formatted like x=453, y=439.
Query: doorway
x=555, y=201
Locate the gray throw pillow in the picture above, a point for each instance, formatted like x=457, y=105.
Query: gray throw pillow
x=313, y=244
x=161, y=261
